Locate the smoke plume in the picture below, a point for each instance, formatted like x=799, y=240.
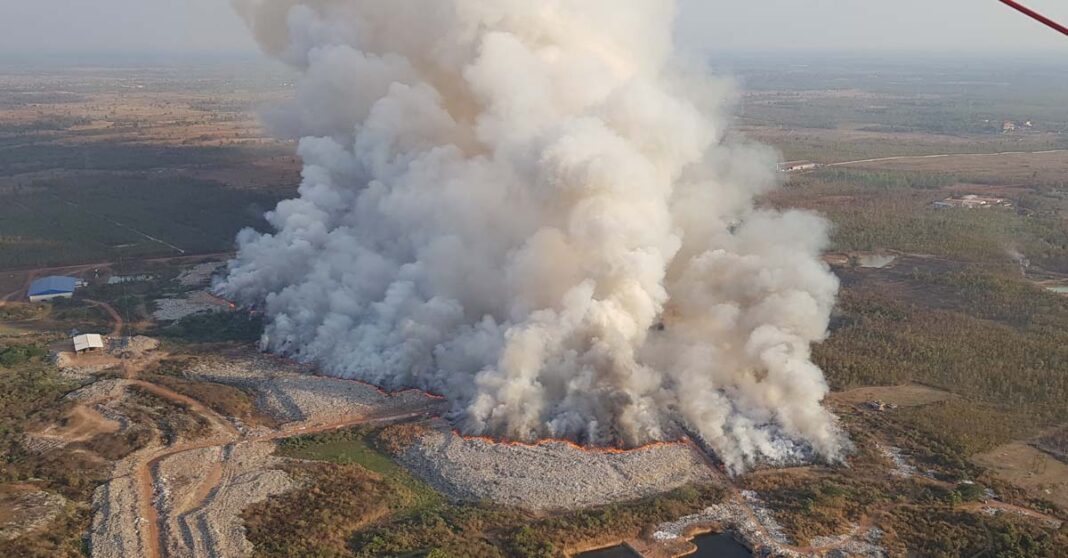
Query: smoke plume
x=534, y=209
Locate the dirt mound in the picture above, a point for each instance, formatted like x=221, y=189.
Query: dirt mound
x=132, y=347
x=552, y=476
x=80, y=424
x=174, y=309
x=202, y=494
x=290, y=393
x=200, y=274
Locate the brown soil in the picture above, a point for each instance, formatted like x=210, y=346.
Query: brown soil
x=207, y=484
x=1020, y=464
x=80, y=424
x=911, y=395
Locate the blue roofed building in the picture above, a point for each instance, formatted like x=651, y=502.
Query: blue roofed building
x=48, y=288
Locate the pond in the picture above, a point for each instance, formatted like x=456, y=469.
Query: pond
x=719, y=545
x=621, y=551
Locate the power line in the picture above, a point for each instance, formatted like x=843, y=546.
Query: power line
x=1035, y=16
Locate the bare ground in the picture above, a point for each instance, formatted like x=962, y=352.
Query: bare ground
x=910, y=395
x=185, y=499
x=1038, y=473
x=203, y=492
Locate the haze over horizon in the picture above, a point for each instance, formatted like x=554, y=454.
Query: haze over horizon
x=705, y=26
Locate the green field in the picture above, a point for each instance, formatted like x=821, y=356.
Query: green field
x=99, y=219
x=351, y=447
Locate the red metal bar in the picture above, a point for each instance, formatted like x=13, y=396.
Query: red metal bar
x=1035, y=15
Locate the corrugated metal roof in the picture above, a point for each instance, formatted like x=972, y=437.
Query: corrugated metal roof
x=89, y=341
x=53, y=285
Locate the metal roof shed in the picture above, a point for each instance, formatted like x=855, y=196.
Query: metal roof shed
x=48, y=288
x=88, y=342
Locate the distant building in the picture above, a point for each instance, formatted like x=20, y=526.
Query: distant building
x=797, y=166
x=49, y=288
x=88, y=342
x=1008, y=127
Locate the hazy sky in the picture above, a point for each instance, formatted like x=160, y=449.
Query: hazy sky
x=207, y=25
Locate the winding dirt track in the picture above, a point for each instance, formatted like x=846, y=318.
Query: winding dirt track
x=149, y=465
x=224, y=434
x=116, y=330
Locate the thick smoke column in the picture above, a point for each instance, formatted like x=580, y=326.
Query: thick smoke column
x=533, y=208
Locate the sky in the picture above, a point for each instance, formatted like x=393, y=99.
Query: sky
x=959, y=26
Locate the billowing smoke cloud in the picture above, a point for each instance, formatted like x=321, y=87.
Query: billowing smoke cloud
x=534, y=208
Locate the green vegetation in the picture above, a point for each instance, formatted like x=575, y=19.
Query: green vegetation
x=1016, y=365
x=892, y=210
x=352, y=446
x=134, y=301
x=27, y=387
x=66, y=315
x=174, y=420
x=30, y=391
x=960, y=428
x=942, y=532
x=357, y=501
x=216, y=327
x=103, y=156
x=885, y=180
x=95, y=219
x=63, y=538
x=484, y=531
x=14, y=355
x=318, y=519
x=228, y=401
x=810, y=508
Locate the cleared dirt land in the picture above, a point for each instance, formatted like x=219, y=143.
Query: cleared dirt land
x=185, y=498
x=1035, y=471
x=911, y=395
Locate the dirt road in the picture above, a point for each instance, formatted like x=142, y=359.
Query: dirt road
x=944, y=156
x=86, y=266
x=146, y=473
x=119, y=323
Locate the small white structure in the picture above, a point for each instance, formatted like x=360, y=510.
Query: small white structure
x=88, y=342
x=797, y=166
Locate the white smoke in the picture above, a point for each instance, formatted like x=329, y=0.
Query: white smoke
x=533, y=208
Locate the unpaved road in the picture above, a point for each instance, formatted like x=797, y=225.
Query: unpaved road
x=75, y=268
x=944, y=156
x=116, y=330
x=146, y=471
